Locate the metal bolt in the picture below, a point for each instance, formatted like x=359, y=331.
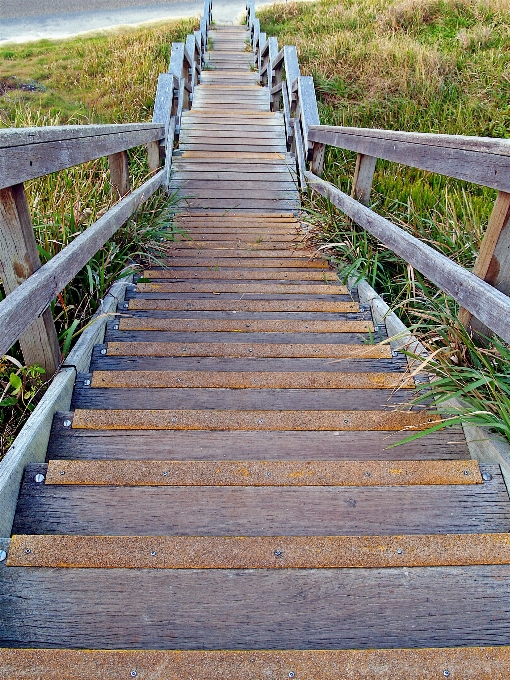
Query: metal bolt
x=28, y=551
x=278, y=553
x=3, y=555
x=466, y=472
x=368, y=474
x=153, y=553
x=125, y=305
x=292, y=674
x=133, y=674
x=184, y=349
x=260, y=421
x=394, y=354
x=446, y=674
x=268, y=474
x=165, y=474
x=486, y=476
x=39, y=478
x=67, y=423
x=399, y=551
x=86, y=383
x=62, y=472
x=116, y=327
x=346, y=421
x=250, y=350
x=103, y=351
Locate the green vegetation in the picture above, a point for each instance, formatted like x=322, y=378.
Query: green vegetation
x=108, y=78
x=438, y=66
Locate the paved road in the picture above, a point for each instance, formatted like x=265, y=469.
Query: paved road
x=23, y=20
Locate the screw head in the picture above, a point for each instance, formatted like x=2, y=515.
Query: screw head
x=133, y=674
x=103, y=351
x=260, y=421
x=399, y=551
x=278, y=553
x=368, y=474
x=446, y=674
x=292, y=674
x=86, y=383
x=28, y=551
x=165, y=474
x=486, y=476
x=3, y=555
x=466, y=472
x=116, y=327
x=250, y=350
x=62, y=472
x=39, y=478
x=67, y=423
x=153, y=553
x=125, y=305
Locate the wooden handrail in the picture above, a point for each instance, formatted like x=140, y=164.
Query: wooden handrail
x=480, y=160
x=32, y=297
x=28, y=153
x=481, y=299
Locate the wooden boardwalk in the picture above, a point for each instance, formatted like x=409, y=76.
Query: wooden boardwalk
x=223, y=480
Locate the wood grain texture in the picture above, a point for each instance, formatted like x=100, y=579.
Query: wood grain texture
x=32, y=152
x=261, y=511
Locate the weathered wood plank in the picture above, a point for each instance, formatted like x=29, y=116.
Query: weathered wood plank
x=119, y=173
x=486, y=303
x=32, y=297
x=27, y=153
x=308, y=609
x=71, y=444
x=474, y=159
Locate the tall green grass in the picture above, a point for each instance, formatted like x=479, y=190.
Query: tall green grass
x=439, y=66
x=108, y=78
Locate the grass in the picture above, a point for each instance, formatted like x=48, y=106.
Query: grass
x=108, y=78
x=440, y=66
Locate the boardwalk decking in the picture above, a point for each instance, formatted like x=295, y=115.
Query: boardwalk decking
x=224, y=479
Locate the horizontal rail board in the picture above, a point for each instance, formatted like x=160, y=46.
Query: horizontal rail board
x=486, y=303
x=32, y=297
x=483, y=161
x=28, y=153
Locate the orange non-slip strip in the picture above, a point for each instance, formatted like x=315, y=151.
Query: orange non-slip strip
x=261, y=473
x=250, y=379
x=211, y=305
x=247, y=350
x=461, y=663
x=243, y=325
x=259, y=288
x=251, y=420
x=258, y=552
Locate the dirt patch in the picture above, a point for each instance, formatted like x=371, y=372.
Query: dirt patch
x=8, y=83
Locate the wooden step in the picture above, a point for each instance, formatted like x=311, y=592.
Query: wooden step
x=261, y=510
x=468, y=663
x=226, y=274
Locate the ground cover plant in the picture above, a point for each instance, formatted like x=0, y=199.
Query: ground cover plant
x=106, y=78
x=439, y=66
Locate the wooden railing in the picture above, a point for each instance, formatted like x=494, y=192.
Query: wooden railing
x=483, y=293
x=27, y=153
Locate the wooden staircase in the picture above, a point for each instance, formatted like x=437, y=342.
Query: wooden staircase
x=222, y=501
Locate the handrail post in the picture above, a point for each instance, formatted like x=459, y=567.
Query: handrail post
x=493, y=261
x=119, y=173
x=19, y=259
x=363, y=178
